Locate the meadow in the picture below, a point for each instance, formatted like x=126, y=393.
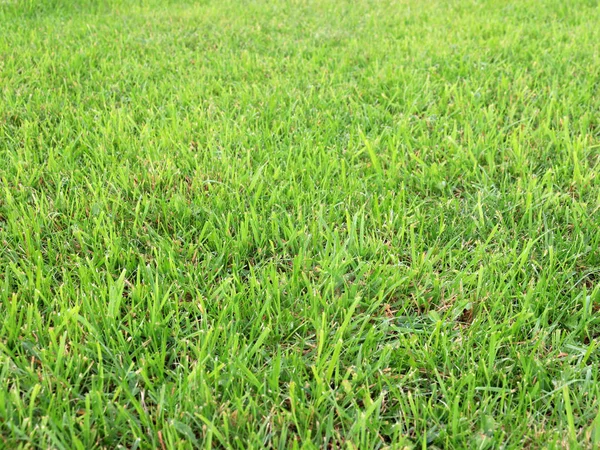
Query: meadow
x=299, y=224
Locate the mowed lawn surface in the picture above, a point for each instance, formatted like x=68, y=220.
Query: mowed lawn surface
x=335, y=224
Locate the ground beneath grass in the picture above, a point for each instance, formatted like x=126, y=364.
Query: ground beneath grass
x=358, y=224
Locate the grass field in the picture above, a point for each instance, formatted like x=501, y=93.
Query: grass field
x=318, y=224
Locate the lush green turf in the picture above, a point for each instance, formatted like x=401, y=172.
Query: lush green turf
x=312, y=223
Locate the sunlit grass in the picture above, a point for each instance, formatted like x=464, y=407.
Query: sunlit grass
x=337, y=224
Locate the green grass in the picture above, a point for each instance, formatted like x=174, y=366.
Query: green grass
x=344, y=224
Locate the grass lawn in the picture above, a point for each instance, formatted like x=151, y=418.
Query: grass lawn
x=299, y=224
